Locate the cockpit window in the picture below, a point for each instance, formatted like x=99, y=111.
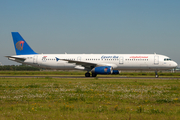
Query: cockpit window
x=167, y=59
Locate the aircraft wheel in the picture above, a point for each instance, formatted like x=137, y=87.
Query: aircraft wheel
x=87, y=74
x=157, y=76
x=94, y=74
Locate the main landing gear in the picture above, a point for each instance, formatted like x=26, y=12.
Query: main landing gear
x=88, y=74
x=156, y=74
x=94, y=74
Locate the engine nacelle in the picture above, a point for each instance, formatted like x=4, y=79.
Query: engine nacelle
x=115, y=72
x=102, y=70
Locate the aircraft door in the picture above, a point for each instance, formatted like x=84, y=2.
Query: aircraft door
x=156, y=60
x=79, y=58
x=35, y=59
x=121, y=60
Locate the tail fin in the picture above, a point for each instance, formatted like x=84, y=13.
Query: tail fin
x=21, y=47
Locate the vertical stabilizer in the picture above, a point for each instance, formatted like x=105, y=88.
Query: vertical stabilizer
x=21, y=47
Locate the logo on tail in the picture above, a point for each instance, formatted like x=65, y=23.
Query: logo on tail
x=19, y=45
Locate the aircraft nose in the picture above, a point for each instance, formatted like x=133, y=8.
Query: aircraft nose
x=175, y=64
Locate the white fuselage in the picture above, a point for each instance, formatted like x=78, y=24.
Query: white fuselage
x=152, y=62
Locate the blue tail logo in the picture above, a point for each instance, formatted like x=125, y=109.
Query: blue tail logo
x=21, y=46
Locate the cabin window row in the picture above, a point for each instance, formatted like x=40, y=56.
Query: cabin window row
x=48, y=59
x=86, y=59
x=55, y=59
x=70, y=59
x=113, y=59
x=103, y=59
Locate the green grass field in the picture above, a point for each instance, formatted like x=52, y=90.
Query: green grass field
x=95, y=98
x=81, y=73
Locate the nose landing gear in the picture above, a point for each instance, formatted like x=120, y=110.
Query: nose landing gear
x=156, y=74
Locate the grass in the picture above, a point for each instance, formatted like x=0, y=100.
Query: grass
x=65, y=98
x=42, y=73
x=81, y=73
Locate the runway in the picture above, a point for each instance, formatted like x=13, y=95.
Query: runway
x=82, y=77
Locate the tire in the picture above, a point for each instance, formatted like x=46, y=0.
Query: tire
x=87, y=74
x=94, y=74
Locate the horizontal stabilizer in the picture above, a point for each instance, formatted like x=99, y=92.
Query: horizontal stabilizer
x=18, y=59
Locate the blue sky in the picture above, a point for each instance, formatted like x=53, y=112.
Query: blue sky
x=94, y=26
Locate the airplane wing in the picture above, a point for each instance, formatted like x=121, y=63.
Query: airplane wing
x=84, y=64
x=89, y=65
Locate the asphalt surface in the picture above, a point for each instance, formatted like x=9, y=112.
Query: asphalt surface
x=176, y=78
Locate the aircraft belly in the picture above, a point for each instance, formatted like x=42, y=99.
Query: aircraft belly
x=69, y=66
x=60, y=66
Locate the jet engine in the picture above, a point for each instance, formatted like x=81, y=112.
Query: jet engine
x=102, y=70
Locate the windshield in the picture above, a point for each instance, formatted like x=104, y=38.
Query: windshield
x=167, y=59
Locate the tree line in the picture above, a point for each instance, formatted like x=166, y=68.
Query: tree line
x=18, y=68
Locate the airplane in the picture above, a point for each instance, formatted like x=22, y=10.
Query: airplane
x=92, y=63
